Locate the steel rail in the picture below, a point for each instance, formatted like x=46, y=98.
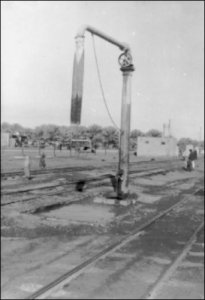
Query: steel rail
x=90, y=180
x=133, y=173
x=76, y=271
x=166, y=275
x=47, y=171
x=78, y=169
x=27, y=190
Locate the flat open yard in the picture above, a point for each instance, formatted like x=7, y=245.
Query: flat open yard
x=13, y=159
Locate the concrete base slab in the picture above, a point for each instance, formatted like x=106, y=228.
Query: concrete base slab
x=81, y=214
x=111, y=201
x=146, y=198
x=105, y=200
x=125, y=202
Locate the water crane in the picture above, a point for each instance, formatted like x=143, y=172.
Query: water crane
x=126, y=66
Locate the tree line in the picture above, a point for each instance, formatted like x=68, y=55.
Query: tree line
x=98, y=135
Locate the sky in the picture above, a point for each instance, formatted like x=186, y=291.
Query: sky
x=167, y=44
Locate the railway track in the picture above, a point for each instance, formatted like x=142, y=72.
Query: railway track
x=45, y=171
x=77, y=182
x=102, y=180
x=143, y=230
x=142, y=171
x=13, y=174
x=161, y=283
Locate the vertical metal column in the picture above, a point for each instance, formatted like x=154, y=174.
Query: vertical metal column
x=123, y=167
x=77, y=84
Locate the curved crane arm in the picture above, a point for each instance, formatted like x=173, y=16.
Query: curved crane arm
x=82, y=29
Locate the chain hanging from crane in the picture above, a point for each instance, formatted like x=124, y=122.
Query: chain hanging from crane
x=101, y=87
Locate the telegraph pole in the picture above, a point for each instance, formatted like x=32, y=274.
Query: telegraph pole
x=127, y=68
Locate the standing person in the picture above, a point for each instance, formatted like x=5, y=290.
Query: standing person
x=194, y=158
x=27, y=166
x=190, y=160
x=42, y=162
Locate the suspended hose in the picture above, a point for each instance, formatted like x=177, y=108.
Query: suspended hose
x=101, y=87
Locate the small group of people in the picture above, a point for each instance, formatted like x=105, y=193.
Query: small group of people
x=192, y=157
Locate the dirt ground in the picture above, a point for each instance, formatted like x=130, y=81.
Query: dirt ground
x=13, y=159
x=38, y=246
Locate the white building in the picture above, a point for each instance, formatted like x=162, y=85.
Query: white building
x=157, y=146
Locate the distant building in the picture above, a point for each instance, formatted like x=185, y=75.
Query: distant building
x=5, y=139
x=12, y=140
x=157, y=146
